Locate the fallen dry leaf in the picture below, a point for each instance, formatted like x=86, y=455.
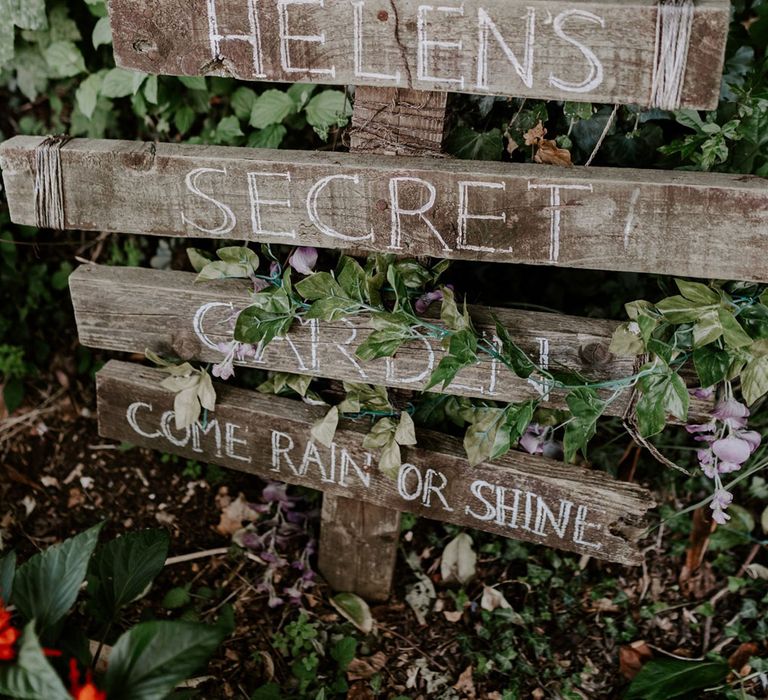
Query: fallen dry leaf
x=742, y=655
x=76, y=497
x=466, y=684
x=534, y=135
x=453, y=615
x=492, y=599
x=363, y=669
x=632, y=657
x=360, y=691
x=550, y=154
x=235, y=514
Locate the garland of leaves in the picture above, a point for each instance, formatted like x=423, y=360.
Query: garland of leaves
x=720, y=329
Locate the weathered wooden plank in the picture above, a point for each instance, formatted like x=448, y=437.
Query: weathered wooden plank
x=676, y=223
x=598, y=50
x=384, y=120
x=130, y=309
x=521, y=496
x=398, y=122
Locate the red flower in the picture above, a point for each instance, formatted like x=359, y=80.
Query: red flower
x=8, y=635
x=83, y=692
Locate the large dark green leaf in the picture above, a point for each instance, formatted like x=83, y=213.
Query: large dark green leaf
x=7, y=571
x=148, y=661
x=513, y=355
x=711, y=364
x=46, y=586
x=123, y=568
x=665, y=679
x=31, y=677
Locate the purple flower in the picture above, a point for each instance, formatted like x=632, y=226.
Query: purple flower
x=259, y=285
x=702, y=393
x=727, y=467
x=704, y=456
x=275, y=601
x=274, y=269
x=701, y=427
x=233, y=349
x=426, y=300
x=532, y=443
x=732, y=449
x=733, y=413
x=720, y=501
x=752, y=437
x=303, y=260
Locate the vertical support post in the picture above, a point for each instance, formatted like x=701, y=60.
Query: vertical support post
x=358, y=541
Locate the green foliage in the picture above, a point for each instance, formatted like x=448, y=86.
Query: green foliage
x=665, y=679
x=147, y=661
x=45, y=587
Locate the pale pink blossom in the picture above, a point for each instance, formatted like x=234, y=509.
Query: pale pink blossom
x=303, y=260
x=732, y=449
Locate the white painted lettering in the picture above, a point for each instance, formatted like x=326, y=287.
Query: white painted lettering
x=464, y=215
x=397, y=211
x=256, y=202
x=230, y=220
x=486, y=28
x=130, y=415
x=314, y=215
x=595, y=75
x=286, y=37
x=554, y=211
x=425, y=44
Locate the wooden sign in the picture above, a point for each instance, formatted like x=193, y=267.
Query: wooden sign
x=131, y=309
x=666, y=222
x=660, y=54
x=520, y=496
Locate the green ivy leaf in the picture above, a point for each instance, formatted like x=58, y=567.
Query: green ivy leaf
x=678, y=309
x=521, y=364
x=663, y=393
x=149, y=660
x=198, y=258
x=406, y=430
x=697, y=292
x=586, y=407
x=625, y=342
x=324, y=429
x=122, y=569
x=352, y=279
x=733, y=333
x=381, y=434
x=31, y=677
x=711, y=364
x=46, y=586
x=176, y=598
x=462, y=352
x=383, y=343
x=480, y=439
x=754, y=379
x=707, y=328
x=331, y=308
x=466, y=143
x=271, y=107
x=319, y=285
x=449, y=312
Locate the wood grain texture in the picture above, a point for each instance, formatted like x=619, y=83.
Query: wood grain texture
x=675, y=223
x=520, y=496
x=594, y=51
x=131, y=309
x=384, y=120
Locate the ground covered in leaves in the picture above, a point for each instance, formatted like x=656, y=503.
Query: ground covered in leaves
x=530, y=622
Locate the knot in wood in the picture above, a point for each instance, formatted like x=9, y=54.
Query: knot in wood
x=383, y=16
x=595, y=354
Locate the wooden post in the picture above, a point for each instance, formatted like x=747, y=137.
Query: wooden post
x=358, y=540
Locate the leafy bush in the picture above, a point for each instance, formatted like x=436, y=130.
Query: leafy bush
x=146, y=662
